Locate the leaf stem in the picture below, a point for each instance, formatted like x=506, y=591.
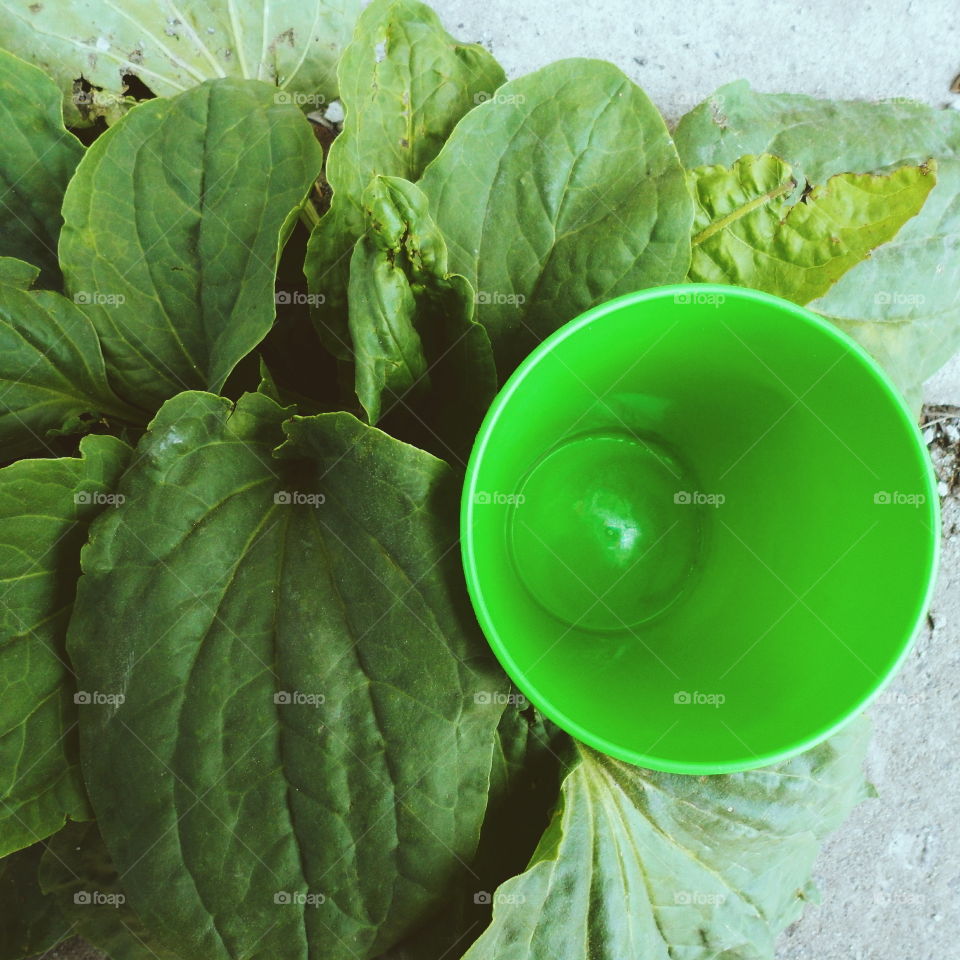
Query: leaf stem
x=308, y=214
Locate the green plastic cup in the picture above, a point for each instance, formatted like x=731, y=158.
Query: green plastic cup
x=699, y=528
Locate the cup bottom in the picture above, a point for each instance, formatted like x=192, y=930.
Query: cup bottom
x=603, y=534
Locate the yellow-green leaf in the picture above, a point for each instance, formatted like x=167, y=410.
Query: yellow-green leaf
x=747, y=232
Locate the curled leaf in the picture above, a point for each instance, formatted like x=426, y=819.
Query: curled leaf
x=903, y=302
x=416, y=344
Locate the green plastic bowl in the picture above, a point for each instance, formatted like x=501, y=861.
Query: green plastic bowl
x=700, y=528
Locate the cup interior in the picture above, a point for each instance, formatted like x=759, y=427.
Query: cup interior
x=699, y=528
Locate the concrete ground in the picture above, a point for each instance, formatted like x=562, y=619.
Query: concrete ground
x=890, y=879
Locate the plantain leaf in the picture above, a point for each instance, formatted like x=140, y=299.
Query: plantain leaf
x=560, y=192
x=528, y=757
x=51, y=368
x=172, y=47
x=746, y=232
x=818, y=138
x=173, y=224
x=643, y=864
x=37, y=158
x=404, y=83
x=45, y=508
x=302, y=684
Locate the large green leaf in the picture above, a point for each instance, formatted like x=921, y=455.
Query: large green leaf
x=78, y=877
x=747, y=233
x=416, y=344
x=562, y=191
x=290, y=44
x=172, y=229
x=529, y=756
x=819, y=138
x=903, y=303
x=30, y=922
x=404, y=83
x=37, y=158
x=45, y=508
x=656, y=866
x=51, y=369
x=302, y=757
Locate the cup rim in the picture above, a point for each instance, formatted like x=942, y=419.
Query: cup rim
x=472, y=577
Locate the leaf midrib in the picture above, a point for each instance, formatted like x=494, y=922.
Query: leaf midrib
x=743, y=211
